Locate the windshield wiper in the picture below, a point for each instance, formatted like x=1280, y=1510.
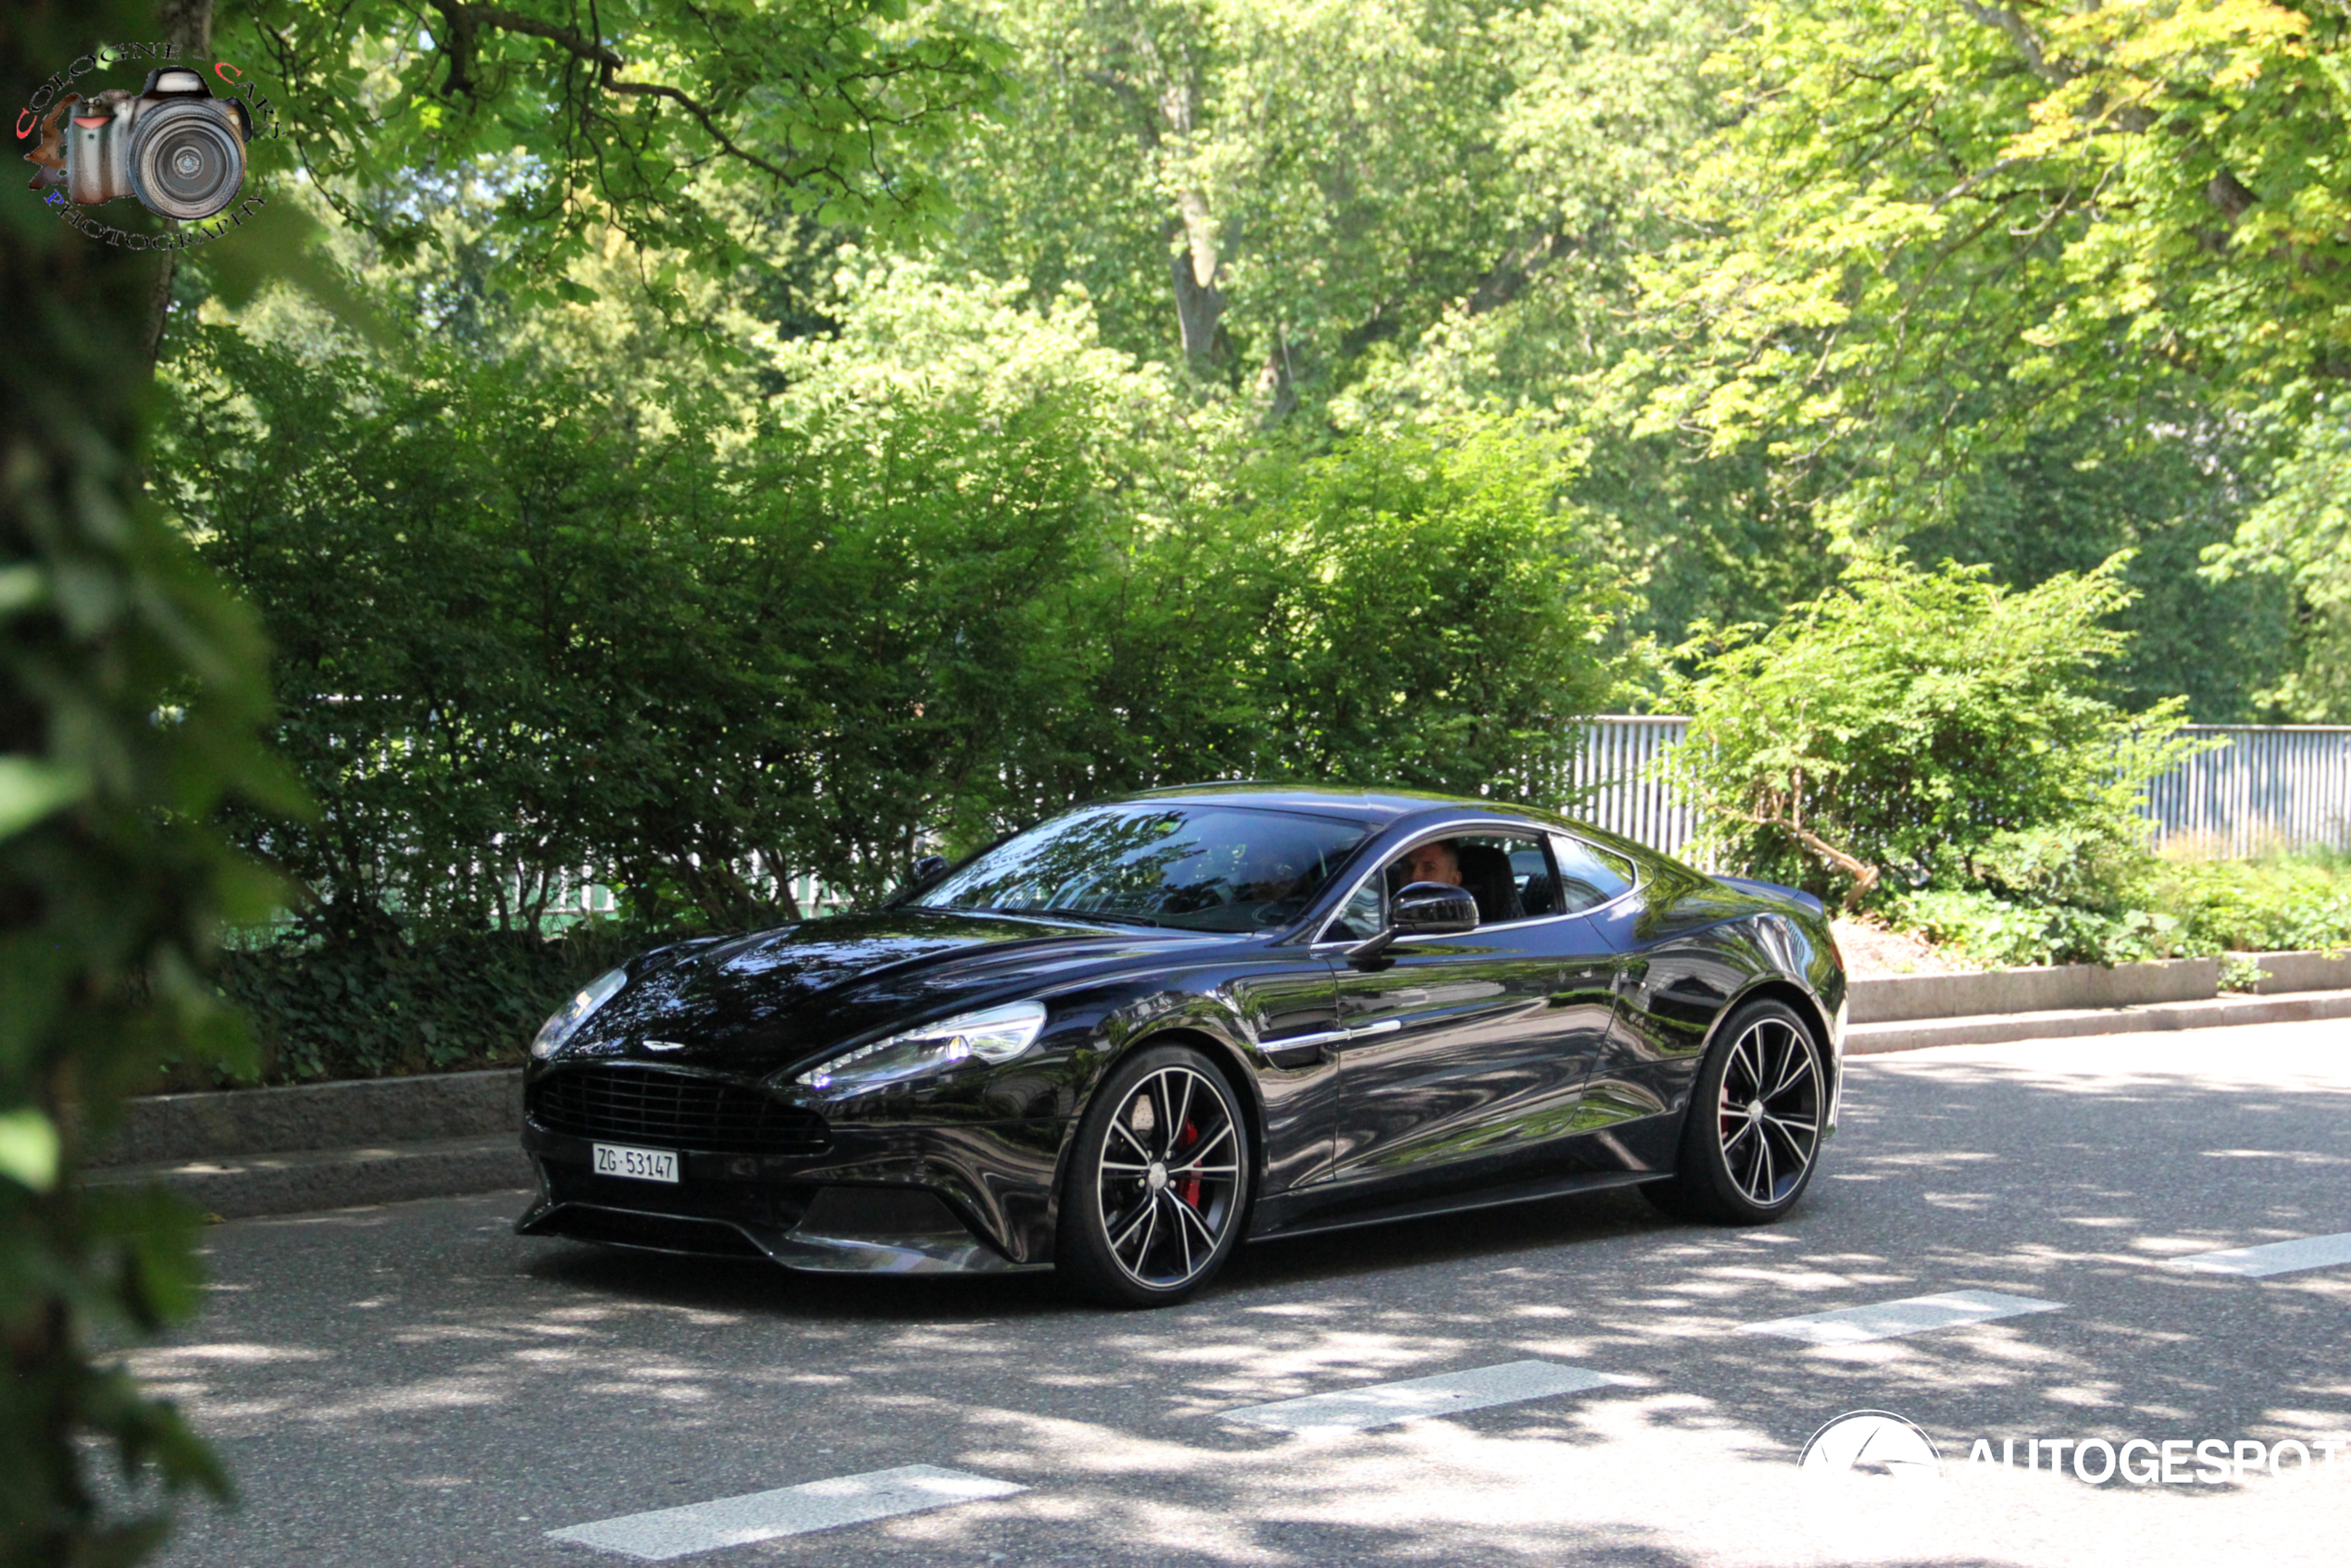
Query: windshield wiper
x=1105, y=916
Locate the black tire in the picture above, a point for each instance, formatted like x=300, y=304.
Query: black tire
x=1752, y=1139
x=1158, y=1181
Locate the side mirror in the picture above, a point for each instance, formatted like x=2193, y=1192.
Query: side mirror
x=1432, y=909
x=928, y=870
x=1423, y=909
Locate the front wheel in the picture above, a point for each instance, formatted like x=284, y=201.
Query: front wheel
x=1753, y=1134
x=1152, y=1199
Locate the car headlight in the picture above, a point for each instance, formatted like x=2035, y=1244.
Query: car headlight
x=563, y=1025
x=998, y=1034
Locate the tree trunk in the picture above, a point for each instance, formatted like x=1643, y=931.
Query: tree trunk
x=189, y=24
x=1200, y=302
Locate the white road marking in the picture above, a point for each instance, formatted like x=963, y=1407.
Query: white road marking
x=2275, y=1257
x=1890, y=1320
x=1352, y=1409
x=788, y=1510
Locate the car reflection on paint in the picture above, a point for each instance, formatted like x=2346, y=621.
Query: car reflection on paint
x=1128, y=1039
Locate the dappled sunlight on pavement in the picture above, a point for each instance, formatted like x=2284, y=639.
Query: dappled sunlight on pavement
x=415, y=1384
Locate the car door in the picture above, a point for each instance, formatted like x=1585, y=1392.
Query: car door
x=1289, y=1000
x=1470, y=1048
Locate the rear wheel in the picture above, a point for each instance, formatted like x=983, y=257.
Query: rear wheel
x=1152, y=1198
x=1753, y=1134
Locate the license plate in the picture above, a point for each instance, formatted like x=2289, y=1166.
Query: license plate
x=637, y=1165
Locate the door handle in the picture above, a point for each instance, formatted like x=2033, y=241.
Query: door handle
x=1324, y=1044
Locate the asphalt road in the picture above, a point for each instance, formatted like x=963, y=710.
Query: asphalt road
x=414, y=1385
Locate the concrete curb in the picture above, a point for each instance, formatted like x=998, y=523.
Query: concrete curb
x=1890, y=999
x=160, y=1129
x=1869, y=1039
x=239, y=1186
x=2285, y=972
x=245, y=1152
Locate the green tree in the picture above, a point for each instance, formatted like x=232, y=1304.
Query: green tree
x=2301, y=536
x=131, y=698
x=1927, y=729
x=647, y=115
x=1931, y=231
x=131, y=685
x=1269, y=193
x=2051, y=506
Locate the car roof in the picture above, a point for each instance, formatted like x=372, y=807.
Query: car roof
x=1380, y=807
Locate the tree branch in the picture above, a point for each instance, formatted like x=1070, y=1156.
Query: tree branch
x=2022, y=35
x=465, y=21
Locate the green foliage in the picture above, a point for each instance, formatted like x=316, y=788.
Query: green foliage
x=2278, y=903
x=653, y=115
x=131, y=694
x=1289, y=197
x=2003, y=932
x=957, y=575
x=2239, y=973
x=1441, y=624
x=2155, y=908
x=1934, y=229
x=1766, y=328
x=2301, y=533
x=391, y=1000
x=1931, y=248
x=2054, y=506
x=511, y=648
x=1929, y=726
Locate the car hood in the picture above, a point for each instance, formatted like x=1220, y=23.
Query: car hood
x=775, y=999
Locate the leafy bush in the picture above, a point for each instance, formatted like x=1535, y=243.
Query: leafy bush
x=2161, y=908
x=516, y=645
x=1999, y=933
x=2278, y=903
x=392, y=1000
x=1930, y=730
x=132, y=692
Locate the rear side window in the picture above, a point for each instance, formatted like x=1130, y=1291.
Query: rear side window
x=1588, y=877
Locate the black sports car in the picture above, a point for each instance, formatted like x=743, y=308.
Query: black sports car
x=1126, y=1039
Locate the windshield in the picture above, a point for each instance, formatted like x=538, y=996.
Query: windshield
x=1207, y=868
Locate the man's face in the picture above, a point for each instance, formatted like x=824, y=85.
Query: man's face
x=1433, y=862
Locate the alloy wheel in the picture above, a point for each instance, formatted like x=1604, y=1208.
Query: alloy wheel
x=1169, y=1178
x=1768, y=1115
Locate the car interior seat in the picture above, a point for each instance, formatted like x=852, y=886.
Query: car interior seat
x=1485, y=872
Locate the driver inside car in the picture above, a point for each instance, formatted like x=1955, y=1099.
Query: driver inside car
x=1436, y=861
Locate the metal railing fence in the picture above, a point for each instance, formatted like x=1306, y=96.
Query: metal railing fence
x=2265, y=788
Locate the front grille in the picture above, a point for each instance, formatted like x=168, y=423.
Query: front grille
x=674, y=1110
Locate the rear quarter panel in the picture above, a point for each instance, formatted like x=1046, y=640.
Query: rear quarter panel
x=1696, y=947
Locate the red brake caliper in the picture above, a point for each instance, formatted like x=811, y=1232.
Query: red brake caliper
x=1190, y=1188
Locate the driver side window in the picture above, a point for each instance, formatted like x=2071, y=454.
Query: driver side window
x=1506, y=873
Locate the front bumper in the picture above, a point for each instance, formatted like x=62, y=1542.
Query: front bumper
x=944, y=1199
